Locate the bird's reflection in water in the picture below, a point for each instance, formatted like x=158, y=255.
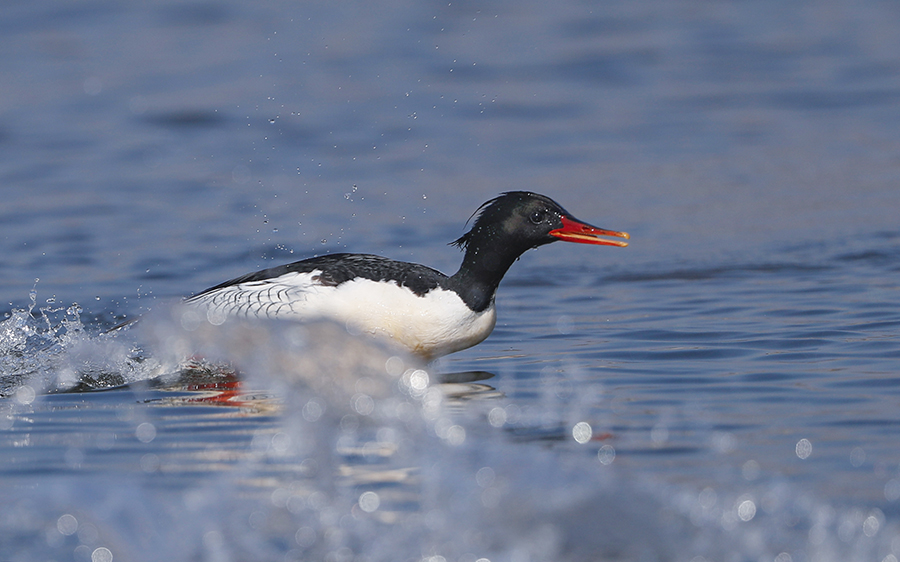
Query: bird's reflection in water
x=220, y=385
x=465, y=385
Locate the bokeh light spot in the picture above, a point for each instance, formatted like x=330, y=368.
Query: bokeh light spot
x=582, y=432
x=606, y=455
x=145, y=432
x=67, y=524
x=369, y=501
x=101, y=554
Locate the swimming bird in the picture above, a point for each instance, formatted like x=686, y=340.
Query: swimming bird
x=419, y=308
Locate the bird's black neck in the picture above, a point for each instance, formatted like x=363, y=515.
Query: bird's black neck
x=482, y=269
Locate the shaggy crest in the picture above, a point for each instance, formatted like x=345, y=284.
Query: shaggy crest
x=485, y=214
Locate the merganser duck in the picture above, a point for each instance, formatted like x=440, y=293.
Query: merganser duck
x=420, y=308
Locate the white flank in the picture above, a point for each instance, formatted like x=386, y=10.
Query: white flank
x=430, y=326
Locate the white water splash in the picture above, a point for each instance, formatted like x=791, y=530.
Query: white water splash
x=49, y=349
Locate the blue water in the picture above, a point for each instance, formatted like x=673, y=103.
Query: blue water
x=725, y=388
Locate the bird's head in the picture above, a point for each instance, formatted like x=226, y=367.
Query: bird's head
x=523, y=220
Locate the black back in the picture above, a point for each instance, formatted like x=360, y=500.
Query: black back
x=338, y=268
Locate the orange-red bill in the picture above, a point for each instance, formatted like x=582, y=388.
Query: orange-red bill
x=576, y=231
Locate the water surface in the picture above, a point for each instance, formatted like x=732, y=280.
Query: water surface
x=725, y=388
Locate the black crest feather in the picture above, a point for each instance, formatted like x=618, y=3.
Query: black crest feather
x=485, y=211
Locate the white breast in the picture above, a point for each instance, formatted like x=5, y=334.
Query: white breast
x=430, y=326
